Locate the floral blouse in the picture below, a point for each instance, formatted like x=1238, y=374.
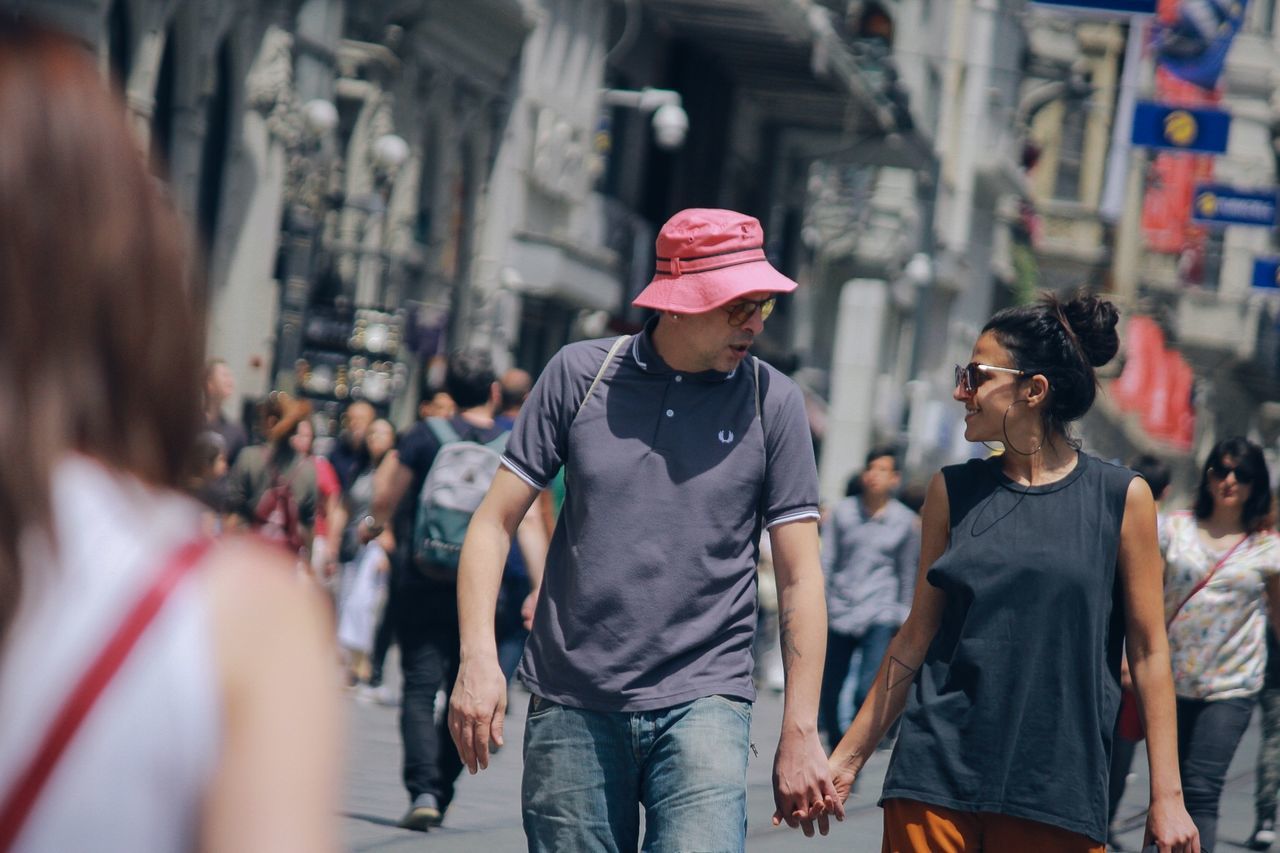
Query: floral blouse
x=1218, y=640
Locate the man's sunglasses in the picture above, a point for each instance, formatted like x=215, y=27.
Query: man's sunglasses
x=1221, y=470
x=973, y=374
x=741, y=312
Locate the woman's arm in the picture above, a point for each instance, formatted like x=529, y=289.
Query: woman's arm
x=1147, y=647
x=277, y=787
x=1273, y=603
x=906, y=650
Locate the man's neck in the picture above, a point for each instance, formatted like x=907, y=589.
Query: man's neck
x=478, y=416
x=871, y=504
x=667, y=343
x=212, y=411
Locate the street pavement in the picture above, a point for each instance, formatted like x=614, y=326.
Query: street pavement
x=485, y=815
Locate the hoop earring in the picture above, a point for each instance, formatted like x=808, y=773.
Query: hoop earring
x=1004, y=429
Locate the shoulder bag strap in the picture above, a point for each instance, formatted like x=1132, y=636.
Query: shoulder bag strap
x=755, y=362
x=443, y=431
x=20, y=799
x=618, y=344
x=1204, y=581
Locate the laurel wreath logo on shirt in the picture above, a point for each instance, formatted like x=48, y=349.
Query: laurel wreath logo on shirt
x=725, y=436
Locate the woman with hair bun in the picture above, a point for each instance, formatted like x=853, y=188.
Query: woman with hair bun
x=1036, y=566
x=1222, y=577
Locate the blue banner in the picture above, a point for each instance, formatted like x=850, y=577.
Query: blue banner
x=1266, y=273
x=1218, y=203
x=1180, y=128
x=1195, y=47
x=1123, y=7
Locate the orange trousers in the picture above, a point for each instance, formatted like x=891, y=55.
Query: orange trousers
x=915, y=827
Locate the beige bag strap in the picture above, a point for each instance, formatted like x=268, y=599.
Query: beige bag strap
x=618, y=344
x=756, y=364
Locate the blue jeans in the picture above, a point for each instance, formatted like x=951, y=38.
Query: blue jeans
x=1208, y=734
x=873, y=642
x=586, y=774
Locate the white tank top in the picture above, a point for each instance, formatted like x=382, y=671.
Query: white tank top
x=134, y=776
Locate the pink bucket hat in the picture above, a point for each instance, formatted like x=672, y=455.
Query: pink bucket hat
x=707, y=258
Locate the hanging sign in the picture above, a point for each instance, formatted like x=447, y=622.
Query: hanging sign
x=1224, y=205
x=1266, y=273
x=1181, y=128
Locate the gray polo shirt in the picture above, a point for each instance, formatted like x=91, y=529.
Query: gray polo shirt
x=649, y=597
x=870, y=562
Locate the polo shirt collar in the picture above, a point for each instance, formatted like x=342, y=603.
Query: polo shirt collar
x=647, y=358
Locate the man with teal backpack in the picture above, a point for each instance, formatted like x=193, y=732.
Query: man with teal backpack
x=428, y=487
x=456, y=483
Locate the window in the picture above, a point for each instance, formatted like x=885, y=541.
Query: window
x=1066, y=181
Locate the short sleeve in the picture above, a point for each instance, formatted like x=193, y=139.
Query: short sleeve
x=417, y=449
x=791, y=474
x=830, y=538
x=1268, y=555
x=326, y=477
x=538, y=444
x=1166, y=529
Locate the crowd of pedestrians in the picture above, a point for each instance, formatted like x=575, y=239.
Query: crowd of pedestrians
x=599, y=534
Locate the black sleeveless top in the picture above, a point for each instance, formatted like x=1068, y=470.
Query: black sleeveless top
x=1013, y=709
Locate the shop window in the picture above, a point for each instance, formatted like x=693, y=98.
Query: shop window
x=119, y=42
x=213, y=154
x=162, y=116
x=1066, y=181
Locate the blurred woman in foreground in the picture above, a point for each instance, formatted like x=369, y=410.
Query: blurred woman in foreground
x=158, y=692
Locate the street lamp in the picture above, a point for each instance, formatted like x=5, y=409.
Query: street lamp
x=389, y=152
x=670, y=121
x=919, y=270
x=321, y=117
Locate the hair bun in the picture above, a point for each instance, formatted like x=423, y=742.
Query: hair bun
x=1094, y=322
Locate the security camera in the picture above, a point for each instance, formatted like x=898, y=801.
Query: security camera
x=670, y=125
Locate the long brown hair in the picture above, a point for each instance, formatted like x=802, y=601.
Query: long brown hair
x=101, y=341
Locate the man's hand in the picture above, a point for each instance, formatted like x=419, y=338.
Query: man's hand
x=802, y=788
x=477, y=710
x=1170, y=828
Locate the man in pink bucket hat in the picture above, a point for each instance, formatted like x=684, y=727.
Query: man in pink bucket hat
x=679, y=448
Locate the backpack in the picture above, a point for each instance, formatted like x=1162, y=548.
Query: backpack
x=456, y=483
x=276, y=516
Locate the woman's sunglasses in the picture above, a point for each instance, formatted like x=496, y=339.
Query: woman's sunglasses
x=973, y=374
x=1221, y=470
x=741, y=312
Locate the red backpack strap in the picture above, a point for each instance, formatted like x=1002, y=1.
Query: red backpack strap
x=17, y=805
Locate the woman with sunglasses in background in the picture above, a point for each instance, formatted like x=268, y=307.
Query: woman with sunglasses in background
x=1222, y=576
x=1035, y=565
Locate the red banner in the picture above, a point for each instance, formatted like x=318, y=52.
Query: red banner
x=1173, y=175
x=1156, y=384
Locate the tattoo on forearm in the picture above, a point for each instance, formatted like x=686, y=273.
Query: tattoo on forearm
x=897, y=673
x=790, y=651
